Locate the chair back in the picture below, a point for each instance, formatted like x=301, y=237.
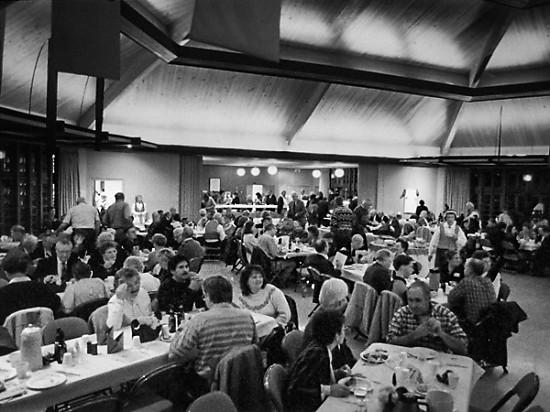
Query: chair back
x=275, y=380
x=292, y=345
x=162, y=381
x=526, y=390
x=85, y=310
x=361, y=307
x=213, y=402
x=272, y=345
x=7, y=343
x=71, y=326
x=240, y=374
x=260, y=258
x=293, y=313
x=97, y=323
x=503, y=292
x=17, y=321
x=388, y=303
x=241, y=253
x=109, y=403
x=315, y=275
x=195, y=264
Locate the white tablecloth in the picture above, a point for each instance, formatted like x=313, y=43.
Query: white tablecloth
x=92, y=374
x=381, y=375
x=264, y=324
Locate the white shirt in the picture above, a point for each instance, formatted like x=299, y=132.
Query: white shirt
x=149, y=282
x=450, y=231
x=123, y=312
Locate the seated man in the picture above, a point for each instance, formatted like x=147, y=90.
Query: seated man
x=471, y=295
x=421, y=323
x=209, y=335
x=320, y=262
x=266, y=242
x=21, y=292
x=378, y=274
x=190, y=248
x=182, y=290
x=311, y=378
x=147, y=281
x=56, y=271
x=403, y=265
x=130, y=301
x=130, y=241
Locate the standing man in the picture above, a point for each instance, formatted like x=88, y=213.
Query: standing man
x=118, y=216
x=84, y=219
x=341, y=222
x=361, y=214
x=447, y=236
x=209, y=335
x=297, y=209
x=282, y=203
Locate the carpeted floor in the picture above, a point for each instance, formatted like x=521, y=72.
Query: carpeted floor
x=529, y=350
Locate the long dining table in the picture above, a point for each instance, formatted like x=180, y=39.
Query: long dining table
x=94, y=372
x=380, y=376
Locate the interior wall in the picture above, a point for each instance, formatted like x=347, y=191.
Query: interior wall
x=285, y=179
x=155, y=176
x=393, y=179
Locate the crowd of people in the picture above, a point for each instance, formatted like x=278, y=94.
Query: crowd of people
x=148, y=269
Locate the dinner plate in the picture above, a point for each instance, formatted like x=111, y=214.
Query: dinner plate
x=39, y=383
x=376, y=356
x=423, y=353
x=354, y=382
x=7, y=374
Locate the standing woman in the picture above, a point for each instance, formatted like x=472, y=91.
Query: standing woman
x=139, y=212
x=261, y=297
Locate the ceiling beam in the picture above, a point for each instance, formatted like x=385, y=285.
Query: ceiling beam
x=510, y=75
x=306, y=110
x=498, y=18
x=452, y=126
x=511, y=91
x=521, y=4
x=140, y=67
x=149, y=35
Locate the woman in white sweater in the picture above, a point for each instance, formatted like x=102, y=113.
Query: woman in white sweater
x=261, y=297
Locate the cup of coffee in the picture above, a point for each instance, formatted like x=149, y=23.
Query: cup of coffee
x=452, y=377
x=439, y=401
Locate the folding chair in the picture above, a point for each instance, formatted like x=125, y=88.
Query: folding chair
x=275, y=384
x=526, y=390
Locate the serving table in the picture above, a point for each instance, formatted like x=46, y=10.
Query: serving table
x=380, y=376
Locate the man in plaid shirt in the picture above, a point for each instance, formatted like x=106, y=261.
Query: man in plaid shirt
x=472, y=294
x=421, y=323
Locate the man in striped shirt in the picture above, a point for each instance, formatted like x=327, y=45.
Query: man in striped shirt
x=209, y=335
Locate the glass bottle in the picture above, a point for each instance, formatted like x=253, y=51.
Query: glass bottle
x=60, y=347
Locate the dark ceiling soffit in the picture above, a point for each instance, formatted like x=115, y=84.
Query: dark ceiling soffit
x=141, y=30
x=521, y=4
x=467, y=161
x=284, y=155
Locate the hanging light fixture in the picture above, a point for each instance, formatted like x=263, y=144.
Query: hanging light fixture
x=339, y=172
x=241, y=172
x=316, y=173
x=272, y=170
x=254, y=171
x=527, y=178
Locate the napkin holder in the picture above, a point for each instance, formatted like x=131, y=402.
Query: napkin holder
x=115, y=341
x=145, y=332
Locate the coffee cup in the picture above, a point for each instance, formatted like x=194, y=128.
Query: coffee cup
x=439, y=401
x=452, y=378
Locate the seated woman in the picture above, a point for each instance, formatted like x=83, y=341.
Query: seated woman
x=333, y=297
x=260, y=297
x=249, y=236
x=182, y=290
x=311, y=377
x=453, y=269
x=108, y=261
x=313, y=235
x=84, y=290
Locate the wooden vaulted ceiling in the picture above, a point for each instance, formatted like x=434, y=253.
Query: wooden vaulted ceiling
x=372, y=78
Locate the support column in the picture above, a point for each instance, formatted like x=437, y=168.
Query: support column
x=324, y=182
x=190, y=186
x=367, y=183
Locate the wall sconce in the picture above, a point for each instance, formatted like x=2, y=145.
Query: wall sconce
x=272, y=170
x=241, y=172
x=316, y=173
x=527, y=178
x=339, y=173
x=254, y=171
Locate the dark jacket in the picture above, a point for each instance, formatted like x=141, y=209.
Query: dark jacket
x=48, y=266
x=24, y=295
x=310, y=370
x=378, y=277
